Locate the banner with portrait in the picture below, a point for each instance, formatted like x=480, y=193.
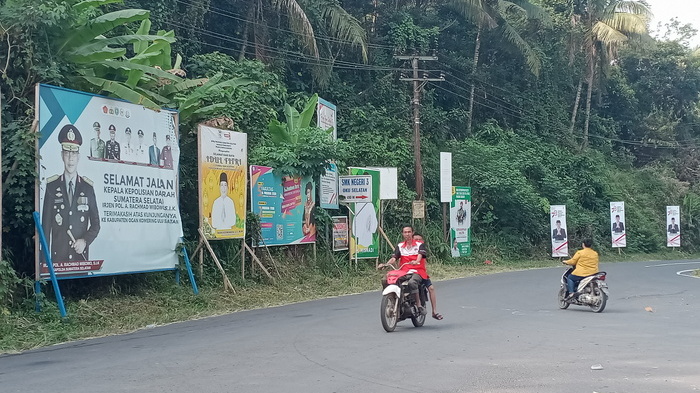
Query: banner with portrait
x=223, y=163
x=364, y=242
x=341, y=240
x=285, y=206
x=461, y=222
x=673, y=226
x=617, y=224
x=108, y=185
x=560, y=241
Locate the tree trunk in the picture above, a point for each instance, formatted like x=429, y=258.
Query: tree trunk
x=249, y=18
x=591, y=72
x=576, y=104
x=470, y=114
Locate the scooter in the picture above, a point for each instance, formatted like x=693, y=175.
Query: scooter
x=592, y=291
x=397, y=302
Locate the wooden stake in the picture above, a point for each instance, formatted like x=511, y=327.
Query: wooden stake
x=386, y=238
x=227, y=282
x=255, y=258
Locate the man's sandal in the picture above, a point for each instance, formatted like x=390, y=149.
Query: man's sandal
x=437, y=316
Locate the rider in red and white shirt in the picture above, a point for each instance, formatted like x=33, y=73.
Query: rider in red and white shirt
x=411, y=253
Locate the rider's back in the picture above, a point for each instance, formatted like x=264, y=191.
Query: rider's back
x=586, y=261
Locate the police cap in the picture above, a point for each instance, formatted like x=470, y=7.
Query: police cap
x=140, y=132
x=69, y=137
x=96, y=125
x=112, y=128
x=128, y=130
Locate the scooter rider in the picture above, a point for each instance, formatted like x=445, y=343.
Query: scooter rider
x=411, y=254
x=586, y=263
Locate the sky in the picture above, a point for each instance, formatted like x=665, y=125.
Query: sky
x=687, y=11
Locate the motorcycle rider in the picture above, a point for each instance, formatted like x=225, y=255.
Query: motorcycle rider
x=586, y=263
x=428, y=283
x=411, y=254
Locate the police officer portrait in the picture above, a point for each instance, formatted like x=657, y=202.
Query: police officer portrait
x=69, y=218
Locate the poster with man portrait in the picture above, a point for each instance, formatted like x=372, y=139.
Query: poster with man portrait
x=617, y=224
x=106, y=207
x=285, y=206
x=461, y=222
x=673, y=226
x=223, y=164
x=560, y=241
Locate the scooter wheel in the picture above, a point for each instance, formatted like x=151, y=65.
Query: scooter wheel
x=563, y=304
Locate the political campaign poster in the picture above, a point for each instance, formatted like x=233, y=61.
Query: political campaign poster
x=108, y=185
x=364, y=242
x=560, y=241
x=329, y=188
x=461, y=222
x=673, y=226
x=285, y=206
x=325, y=116
x=617, y=224
x=223, y=180
x=341, y=240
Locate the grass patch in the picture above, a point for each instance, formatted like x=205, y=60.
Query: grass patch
x=124, y=304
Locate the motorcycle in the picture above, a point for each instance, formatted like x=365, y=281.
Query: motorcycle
x=592, y=291
x=397, y=302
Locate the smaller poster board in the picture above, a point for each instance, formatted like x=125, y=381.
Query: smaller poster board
x=341, y=239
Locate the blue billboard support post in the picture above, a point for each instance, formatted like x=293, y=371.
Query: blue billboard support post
x=49, y=263
x=189, y=270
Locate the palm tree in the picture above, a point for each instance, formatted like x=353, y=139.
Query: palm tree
x=493, y=15
x=608, y=25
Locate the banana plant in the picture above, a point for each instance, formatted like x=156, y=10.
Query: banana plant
x=288, y=133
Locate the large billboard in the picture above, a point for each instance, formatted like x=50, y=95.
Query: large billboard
x=285, y=206
x=461, y=222
x=617, y=224
x=560, y=241
x=673, y=226
x=222, y=182
x=364, y=242
x=108, y=185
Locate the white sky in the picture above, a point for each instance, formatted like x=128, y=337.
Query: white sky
x=687, y=11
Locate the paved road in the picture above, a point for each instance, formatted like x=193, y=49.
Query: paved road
x=501, y=333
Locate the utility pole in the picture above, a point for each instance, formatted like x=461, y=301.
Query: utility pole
x=418, y=84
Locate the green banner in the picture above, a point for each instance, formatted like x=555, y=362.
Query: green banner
x=365, y=220
x=461, y=222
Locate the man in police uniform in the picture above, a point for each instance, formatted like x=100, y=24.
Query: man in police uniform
x=69, y=217
x=113, y=149
x=140, y=153
x=167, y=154
x=97, y=145
x=128, y=149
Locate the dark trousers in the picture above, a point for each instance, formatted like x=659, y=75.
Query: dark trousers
x=414, y=282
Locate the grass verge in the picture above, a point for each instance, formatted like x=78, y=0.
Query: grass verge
x=123, y=308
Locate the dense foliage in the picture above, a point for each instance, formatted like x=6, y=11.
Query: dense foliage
x=544, y=102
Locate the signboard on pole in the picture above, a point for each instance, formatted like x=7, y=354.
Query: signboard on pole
x=446, y=177
x=108, y=185
x=341, y=240
x=329, y=188
x=285, y=206
x=617, y=222
x=364, y=242
x=355, y=188
x=223, y=181
x=418, y=210
x=461, y=222
x=560, y=241
x=325, y=113
x=673, y=226
x=388, y=183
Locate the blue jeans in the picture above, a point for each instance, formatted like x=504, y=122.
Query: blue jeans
x=572, y=282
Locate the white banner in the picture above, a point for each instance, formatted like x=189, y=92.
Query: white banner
x=325, y=116
x=106, y=207
x=673, y=226
x=329, y=188
x=560, y=241
x=388, y=183
x=617, y=224
x=445, y=177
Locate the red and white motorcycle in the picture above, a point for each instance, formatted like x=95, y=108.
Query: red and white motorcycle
x=397, y=302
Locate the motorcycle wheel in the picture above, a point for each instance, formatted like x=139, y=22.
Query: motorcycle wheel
x=418, y=321
x=603, y=300
x=388, y=313
x=563, y=304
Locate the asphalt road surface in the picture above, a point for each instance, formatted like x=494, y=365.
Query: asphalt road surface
x=501, y=333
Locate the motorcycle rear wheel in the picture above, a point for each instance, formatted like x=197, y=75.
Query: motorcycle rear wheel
x=603, y=300
x=563, y=304
x=388, y=313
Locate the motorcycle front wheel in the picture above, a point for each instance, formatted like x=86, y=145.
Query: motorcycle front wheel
x=563, y=304
x=600, y=306
x=388, y=313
